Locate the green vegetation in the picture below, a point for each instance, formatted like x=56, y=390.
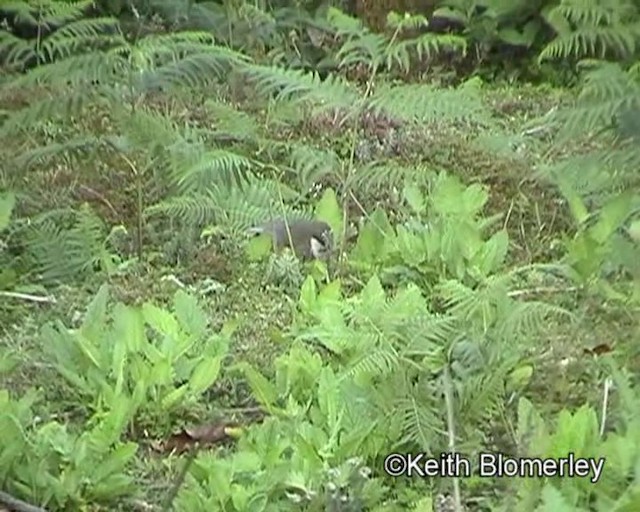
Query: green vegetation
x=482, y=186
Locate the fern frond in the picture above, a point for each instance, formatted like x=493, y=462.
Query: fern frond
x=232, y=122
x=607, y=93
x=60, y=13
x=194, y=70
x=299, y=86
x=345, y=25
x=312, y=164
x=526, y=319
x=588, y=175
x=233, y=209
x=148, y=129
x=208, y=168
x=368, y=49
x=419, y=423
x=380, y=361
x=427, y=332
x=481, y=305
x=69, y=250
x=16, y=50
x=196, y=209
x=424, y=47
x=424, y=103
x=43, y=154
x=593, y=29
x=80, y=69
x=45, y=12
x=62, y=107
x=383, y=175
x=481, y=397
x=81, y=35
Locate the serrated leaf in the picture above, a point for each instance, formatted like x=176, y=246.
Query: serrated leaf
x=176, y=396
x=189, y=314
x=160, y=319
x=414, y=198
x=263, y=390
x=328, y=209
x=204, y=374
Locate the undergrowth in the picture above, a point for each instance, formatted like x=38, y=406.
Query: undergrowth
x=483, y=296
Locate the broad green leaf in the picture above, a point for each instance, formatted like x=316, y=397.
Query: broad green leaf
x=115, y=462
x=612, y=216
x=450, y=14
x=576, y=205
x=532, y=431
x=128, y=336
x=7, y=203
x=423, y=505
x=258, y=247
x=240, y=497
x=176, y=396
x=328, y=209
x=160, y=320
x=205, y=374
x=414, y=198
x=92, y=352
x=189, y=313
x=370, y=245
x=411, y=246
x=161, y=373
x=263, y=390
x=516, y=38
x=519, y=378
x=634, y=231
x=372, y=299
x=329, y=396
x=577, y=433
x=493, y=253
x=95, y=318
x=331, y=292
x=307, y=300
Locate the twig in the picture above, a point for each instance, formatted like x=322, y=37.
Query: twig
x=448, y=398
x=18, y=505
x=175, y=488
x=174, y=280
x=26, y=296
x=100, y=198
x=605, y=401
x=543, y=289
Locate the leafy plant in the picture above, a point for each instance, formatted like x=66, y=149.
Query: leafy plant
x=593, y=29
x=488, y=23
x=600, y=185
x=56, y=467
x=138, y=360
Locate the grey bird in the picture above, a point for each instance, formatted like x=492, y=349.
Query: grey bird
x=309, y=239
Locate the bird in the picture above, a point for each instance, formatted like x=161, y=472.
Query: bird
x=309, y=239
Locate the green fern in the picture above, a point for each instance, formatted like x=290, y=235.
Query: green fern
x=375, y=51
x=588, y=28
x=69, y=245
x=606, y=107
x=59, y=28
